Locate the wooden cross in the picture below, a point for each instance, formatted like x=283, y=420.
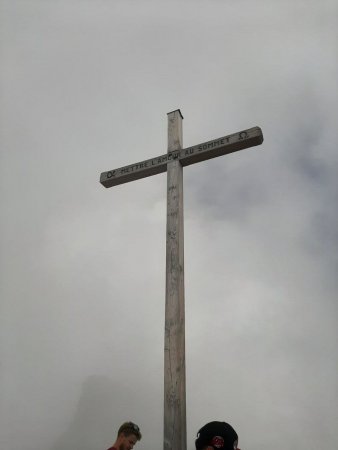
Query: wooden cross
x=174, y=346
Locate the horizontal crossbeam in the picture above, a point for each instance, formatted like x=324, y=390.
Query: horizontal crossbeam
x=191, y=155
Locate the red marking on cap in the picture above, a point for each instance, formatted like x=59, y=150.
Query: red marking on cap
x=217, y=441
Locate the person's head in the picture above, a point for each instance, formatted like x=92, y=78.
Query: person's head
x=216, y=436
x=127, y=436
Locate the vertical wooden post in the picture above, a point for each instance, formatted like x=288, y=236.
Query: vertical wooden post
x=175, y=434
x=174, y=346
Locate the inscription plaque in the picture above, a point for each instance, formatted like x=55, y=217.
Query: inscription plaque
x=186, y=156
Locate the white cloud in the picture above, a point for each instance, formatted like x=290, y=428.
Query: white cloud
x=86, y=88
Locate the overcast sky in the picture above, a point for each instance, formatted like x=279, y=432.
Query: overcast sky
x=86, y=86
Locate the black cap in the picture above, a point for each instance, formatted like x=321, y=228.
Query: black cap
x=219, y=435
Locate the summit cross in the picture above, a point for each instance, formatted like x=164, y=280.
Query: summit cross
x=174, y=340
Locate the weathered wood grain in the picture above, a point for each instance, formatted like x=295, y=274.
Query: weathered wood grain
x=191, y=155
x=174, y=341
